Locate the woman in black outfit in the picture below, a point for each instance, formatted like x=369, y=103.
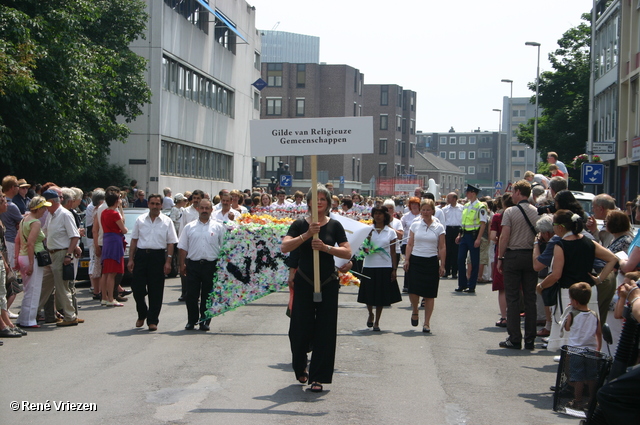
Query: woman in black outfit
x=314, y=324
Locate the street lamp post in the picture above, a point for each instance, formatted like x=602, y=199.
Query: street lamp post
x=508, y=131
x=499, y=143
x=535, y=124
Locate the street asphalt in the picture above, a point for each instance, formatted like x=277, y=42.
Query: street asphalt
x=240, y=371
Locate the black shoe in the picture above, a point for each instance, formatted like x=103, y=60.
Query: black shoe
x=181, y=298
x=125, y=293
x=204, y=327
x=189, y=327
x=97, y=296
x=460, y=289
x=469, y=291
x=454, y=276
x=529, y=346
x=509, y=344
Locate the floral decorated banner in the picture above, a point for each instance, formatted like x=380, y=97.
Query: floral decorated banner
x=251, y=264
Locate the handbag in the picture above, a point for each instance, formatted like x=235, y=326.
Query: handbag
x=68, y=271
x=551, y=295
x=43, y=258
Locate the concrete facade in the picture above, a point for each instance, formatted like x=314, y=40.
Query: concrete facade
x=519, y=156
x=194, y=134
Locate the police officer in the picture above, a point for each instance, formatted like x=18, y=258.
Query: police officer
x=474, y=221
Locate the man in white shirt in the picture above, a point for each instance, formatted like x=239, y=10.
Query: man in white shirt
x=62, y=243
x=199, y=245
x=189, y=214
x=153, y=235
x=453, y=222
x=225, y=213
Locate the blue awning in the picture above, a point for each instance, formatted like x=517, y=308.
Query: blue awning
x=222, y=18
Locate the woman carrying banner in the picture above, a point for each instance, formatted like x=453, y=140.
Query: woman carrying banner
x=314, y=324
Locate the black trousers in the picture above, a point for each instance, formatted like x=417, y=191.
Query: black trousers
x=199, y=286
x=620, y=399
x=314, y=326
x=148, y=279
x=451, y=264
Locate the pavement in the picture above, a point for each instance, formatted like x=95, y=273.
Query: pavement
x=240, y=371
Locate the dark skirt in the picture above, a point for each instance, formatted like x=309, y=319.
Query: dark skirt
x=380, y=290
x=423, y=276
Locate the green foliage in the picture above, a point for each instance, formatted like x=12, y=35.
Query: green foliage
x=78, y=78
x=564, y=97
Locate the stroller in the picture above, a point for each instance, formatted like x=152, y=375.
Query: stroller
x=626, y=355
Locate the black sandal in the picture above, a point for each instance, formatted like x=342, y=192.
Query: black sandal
x=502, y=322
x=414, y=322
x=303, y=378
x=316, y=387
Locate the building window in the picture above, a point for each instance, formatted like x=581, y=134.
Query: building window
x=399, y=97
x=443, y=155
x=484, y=169
x=301, y=75
x=384, y=122
x=398, y=122
x=412, y=125
x=274, y=106
x=298, y=173
x=256, y=61
x=256, y=100
x=452, y=155
x=516, y=173
x=300, y=107
x=382, y=147
x=523, y=113
x=382, y=169
x=472, y=170
x=274, y=74
x=472, y=155
x=398, y=147
x=404, y=148
x=404, y=126
x=224, y=36
x=186, y=161
x=452, y=140
x=472, y=140
x=485, y=154
x=521, y=154
x=463, y=140
x=384, y=95
x=412, y=150
x=463, y=168
x=192, y=11
x=443, y=140
x=355, y=109
x=462, y=155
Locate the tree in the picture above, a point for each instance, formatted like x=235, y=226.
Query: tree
x=564, y=96
x=71, y=82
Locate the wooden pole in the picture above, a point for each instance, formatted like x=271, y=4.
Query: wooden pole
x=317, y=295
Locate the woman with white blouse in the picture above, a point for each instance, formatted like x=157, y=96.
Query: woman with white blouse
x=424, y=262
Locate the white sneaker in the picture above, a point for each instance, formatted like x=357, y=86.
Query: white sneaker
x=12, y=315
x=556, y=359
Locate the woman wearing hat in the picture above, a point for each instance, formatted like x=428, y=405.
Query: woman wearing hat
x=30, y=237
x=380, y=289
x=424, y=262
x=22, y=199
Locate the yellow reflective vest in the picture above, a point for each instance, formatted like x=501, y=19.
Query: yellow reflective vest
x=472, y=215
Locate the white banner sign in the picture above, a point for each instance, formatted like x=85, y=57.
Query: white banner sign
x=312, y=136
x=356, y=234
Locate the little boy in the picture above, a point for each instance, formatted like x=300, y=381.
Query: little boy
x=585, y=333
x=555, y=171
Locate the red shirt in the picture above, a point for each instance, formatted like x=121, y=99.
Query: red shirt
x=108, y=221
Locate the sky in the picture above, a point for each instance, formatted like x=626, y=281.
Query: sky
x=452, y=53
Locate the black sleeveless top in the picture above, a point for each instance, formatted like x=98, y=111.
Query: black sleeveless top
x=578, y=261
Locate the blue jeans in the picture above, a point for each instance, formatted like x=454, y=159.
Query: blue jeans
x=466, y=245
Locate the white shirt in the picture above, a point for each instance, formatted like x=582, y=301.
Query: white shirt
x=60, y=228
x=242, y=208
x=156, y=234
x=202, y=241
x=222, y=217
x=188, y=215
x=425, y=238
x=452, y=215
x=167, y=203
x=88, y=213
x=406, y=220
x=103, y=206
x=381, y=240
x=439, y=214
x=397, y=225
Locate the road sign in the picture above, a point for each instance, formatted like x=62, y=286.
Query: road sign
x=498, y=186
x=508, y=189
x=592, y=173
x=286, y=180
x=259, y=84
x=341, y=179
x=603, y=148
x=497, y=194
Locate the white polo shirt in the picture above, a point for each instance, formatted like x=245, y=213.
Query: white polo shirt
x=202, y=241
x=60, y=228
x=188, y=215
x=156, y=234
x=425, y=238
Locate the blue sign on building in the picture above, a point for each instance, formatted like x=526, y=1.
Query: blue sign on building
x=498, y=186
x=259, y=84
x=592, y=173
x=286, y=180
